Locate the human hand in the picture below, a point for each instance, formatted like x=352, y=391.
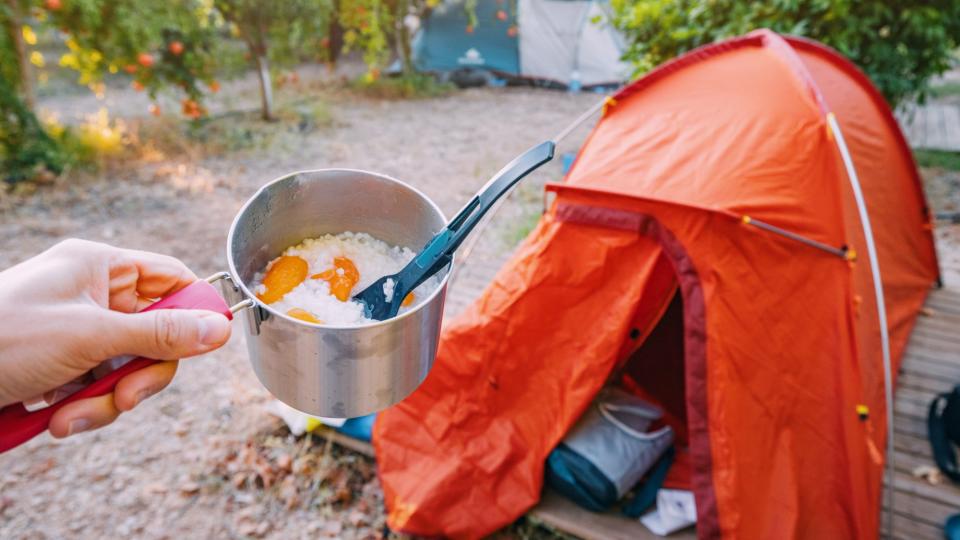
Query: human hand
x=74, y=306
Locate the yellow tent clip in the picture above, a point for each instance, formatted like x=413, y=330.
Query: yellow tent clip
x=851, y=255
x=746, y=220
x=863, y=412
x=312, y=424
x=609, y=102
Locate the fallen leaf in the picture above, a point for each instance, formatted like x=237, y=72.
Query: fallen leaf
x=189, y=488
x=285, y=462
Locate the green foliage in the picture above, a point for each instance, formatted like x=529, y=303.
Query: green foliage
x=407, y=86
x=940, y=159
x=946, y=89
x=371, y=26
x=26, y=150
x=287, y=32
x=899, y=45
x=278, y=34
x=159, y=44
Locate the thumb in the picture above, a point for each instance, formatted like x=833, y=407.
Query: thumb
x=168, y=334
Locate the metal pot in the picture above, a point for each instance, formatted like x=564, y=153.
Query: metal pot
x=332, y=371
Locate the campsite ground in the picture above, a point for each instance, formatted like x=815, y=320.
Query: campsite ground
x=204, y=458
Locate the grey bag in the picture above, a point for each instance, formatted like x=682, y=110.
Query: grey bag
x=610, y=439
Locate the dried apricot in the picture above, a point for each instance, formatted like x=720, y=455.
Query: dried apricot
x=342, y=278
x=304, y=315
x=284, y=276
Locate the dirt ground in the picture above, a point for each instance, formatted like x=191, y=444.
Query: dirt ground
x=204, y=459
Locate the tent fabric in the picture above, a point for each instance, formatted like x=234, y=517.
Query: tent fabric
x=570, y=42
x=560, y=41
x=444, y=45
x=781, y=341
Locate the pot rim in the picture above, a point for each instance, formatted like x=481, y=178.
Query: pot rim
x=247, y=293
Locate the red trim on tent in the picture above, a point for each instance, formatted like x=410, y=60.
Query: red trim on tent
x=695, y=344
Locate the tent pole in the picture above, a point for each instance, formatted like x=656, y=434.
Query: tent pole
x=881, y=306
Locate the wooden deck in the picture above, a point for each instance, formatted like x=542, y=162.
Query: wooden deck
x=931, y=366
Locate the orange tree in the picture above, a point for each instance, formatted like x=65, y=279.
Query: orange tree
x=382, y=27
x=278, y=34
x=158, y=44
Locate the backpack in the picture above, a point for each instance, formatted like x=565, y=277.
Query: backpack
x=608, y=451
x=943, y=429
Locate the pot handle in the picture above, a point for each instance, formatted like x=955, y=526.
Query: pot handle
x=18, y=425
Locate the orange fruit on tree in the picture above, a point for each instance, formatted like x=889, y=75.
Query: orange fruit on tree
x=130, y=68
x=176, y=48
x=502, y=15
x=214, y=86
x=53, y=5
x=469, y=28
x=283, y=276
x=512, y=31
x=154, y=109
x=145, y=59
x=137, y=85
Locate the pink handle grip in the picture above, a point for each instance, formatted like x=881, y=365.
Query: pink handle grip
x=17, y=425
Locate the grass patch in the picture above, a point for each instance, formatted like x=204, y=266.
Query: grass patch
x=941, y=159
x=947, y=89
x=416, y=86
x=520, y=228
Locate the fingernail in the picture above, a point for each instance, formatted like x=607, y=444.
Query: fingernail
x=213, y=328
x=77, y=426
x=144, y=394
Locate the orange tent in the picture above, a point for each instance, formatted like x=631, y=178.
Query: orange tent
x=765, y=179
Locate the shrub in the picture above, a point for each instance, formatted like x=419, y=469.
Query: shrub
x=26, y=150
x=900, y=45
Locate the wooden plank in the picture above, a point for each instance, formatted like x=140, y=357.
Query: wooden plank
x=561, y=514
x=918, y=488
x=361, y=447
x=907, y=528
x=924, y=510
x=923, y=366
x=922, y=382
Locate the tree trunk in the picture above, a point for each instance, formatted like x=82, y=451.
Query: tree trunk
x=25, y=85
x=266, y=85
x=335, y=34
x=403, y=38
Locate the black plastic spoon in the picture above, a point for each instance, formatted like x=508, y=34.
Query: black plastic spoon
x=439, y=251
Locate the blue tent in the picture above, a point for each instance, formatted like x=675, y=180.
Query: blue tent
x=444, y=43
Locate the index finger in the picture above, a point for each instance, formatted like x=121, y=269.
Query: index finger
x=157, y=275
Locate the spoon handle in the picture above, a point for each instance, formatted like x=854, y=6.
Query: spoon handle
x=440, y=249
